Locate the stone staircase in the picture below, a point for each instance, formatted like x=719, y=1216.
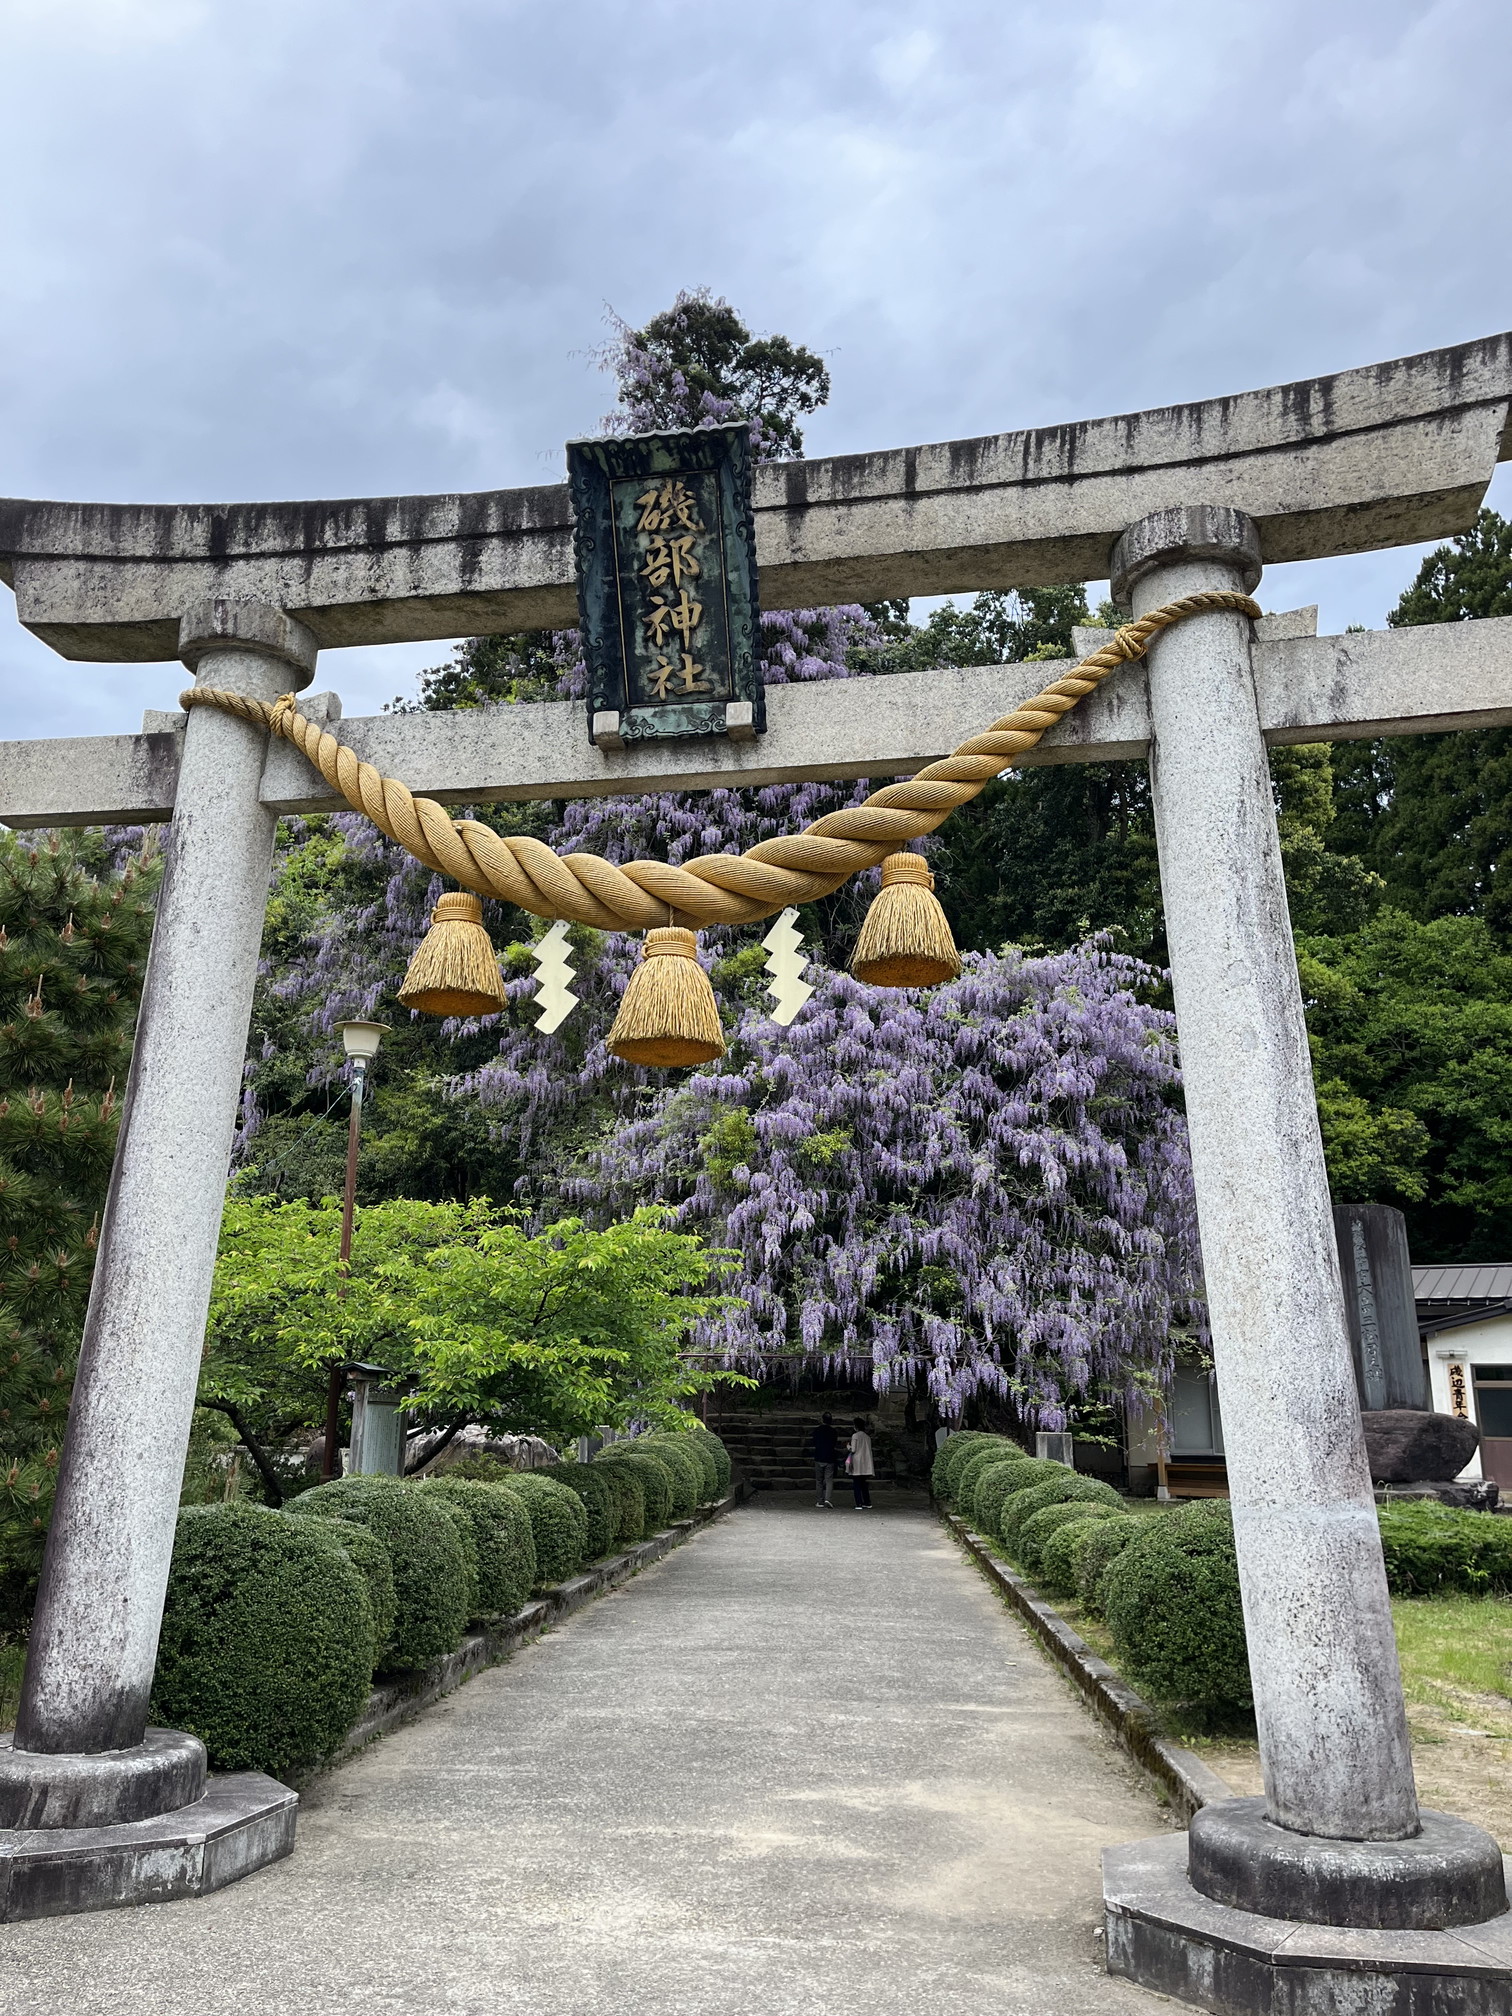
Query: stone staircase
x=772, y=1452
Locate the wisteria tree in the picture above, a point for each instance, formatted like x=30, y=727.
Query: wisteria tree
x=985, y=1187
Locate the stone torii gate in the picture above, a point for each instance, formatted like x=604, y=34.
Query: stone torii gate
x=1336, y=1864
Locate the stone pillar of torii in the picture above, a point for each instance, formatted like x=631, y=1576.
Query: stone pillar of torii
x=1164, y=502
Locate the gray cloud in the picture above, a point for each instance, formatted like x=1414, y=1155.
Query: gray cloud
x=351, y=246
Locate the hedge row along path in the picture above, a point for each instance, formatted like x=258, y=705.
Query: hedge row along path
x=805, y=1764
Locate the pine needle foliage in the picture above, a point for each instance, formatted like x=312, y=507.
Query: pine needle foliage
x=73, y=950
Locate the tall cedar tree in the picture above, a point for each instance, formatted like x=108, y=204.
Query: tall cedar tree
x=73, y=948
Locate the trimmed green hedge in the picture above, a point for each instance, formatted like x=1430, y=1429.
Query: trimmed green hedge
x=557, y=1520
x=723, y=1470
x=1059, y=1549
x=1430, y=1547
x=1171, y=1597
x=687, y=1471
x=266, y=1646
x=425, y=1547
x=1036, y=1532
x=975, y=1463
x=655, y=1480
x=370, y=1557
x=502, y=1537
x=600, y=1503
x=696, y=1446
x=630, y=1498
x=463, y=1525
x=953, y=1451
x=1066, y=1489
x=981, y=1502
x=1094, y=1553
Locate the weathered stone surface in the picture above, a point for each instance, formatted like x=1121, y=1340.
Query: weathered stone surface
x=1309, y=689
x=1406, y=1446
x=1375, y=1267
x=1448, y=1873
x=1380, y=456
x=164, y=1771
x=1328, y=1699
x=1168, y=1937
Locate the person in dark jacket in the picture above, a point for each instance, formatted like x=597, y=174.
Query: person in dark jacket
x=826, y=1447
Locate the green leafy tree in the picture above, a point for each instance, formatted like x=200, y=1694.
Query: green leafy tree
x=555, y=1333
x=73, y=949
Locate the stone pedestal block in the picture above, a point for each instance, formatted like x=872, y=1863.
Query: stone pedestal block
x=1168, y=1937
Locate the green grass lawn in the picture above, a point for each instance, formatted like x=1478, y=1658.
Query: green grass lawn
x=1452, y=1646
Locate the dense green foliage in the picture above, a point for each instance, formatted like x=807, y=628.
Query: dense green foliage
x=73, y=948
x=601, y=1502
x=1171, y=1597
x=711, y=1445
x=431, y=1586
x=502, y=1538
x=686, y=1471
x=1431, y=1547
x=1066, y=1489
x=1093, y=1554
x=952, y=1453
x=1040, y=1527
x=999, y=1480
x=630, y=1500
x=558, y=1523
x=652, y=1474
x=700, y=1448
x=1061, y=1548
x=374, y=1562
x=266, y=1647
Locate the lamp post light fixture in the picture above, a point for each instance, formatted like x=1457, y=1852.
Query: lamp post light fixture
x=360, y=1040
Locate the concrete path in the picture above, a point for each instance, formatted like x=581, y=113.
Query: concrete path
x=805, y=1766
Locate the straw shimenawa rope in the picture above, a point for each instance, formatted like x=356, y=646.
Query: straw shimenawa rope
x=715, y=888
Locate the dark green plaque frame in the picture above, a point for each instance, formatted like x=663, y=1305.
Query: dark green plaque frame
x=663, y=530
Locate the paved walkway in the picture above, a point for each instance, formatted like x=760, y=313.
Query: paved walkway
x=805, y=1766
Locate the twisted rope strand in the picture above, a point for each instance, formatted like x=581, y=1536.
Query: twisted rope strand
x=715, y=888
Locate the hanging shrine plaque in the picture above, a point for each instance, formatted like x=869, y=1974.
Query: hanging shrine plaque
x=666, y=580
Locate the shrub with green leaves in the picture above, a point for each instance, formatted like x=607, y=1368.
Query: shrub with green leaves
x=429, y=1560
x=1093, y=1553
x=1050, y=1520
x=971, y=1466
x=1171, y=1597
x=266, y=1646
x=655, y=1480
x=600, y=1502
x=1056, y=1573
x=980, y=1506
x=557, y=1521
x=953, y=1451
x=723, y=1470
x=370, y=1557
x=687, y=1472
x=502, y=1535
x=1065, y=1489
x=696, y=1446
x=629, y=1497
x=1429, y=1547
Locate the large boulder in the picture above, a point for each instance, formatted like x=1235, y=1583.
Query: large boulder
x=1406, y=1447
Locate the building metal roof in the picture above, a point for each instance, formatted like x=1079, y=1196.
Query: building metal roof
x=1477, y=1282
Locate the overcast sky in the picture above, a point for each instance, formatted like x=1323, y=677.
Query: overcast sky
x=329, y=248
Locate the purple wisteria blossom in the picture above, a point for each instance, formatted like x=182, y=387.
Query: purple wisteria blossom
x=988, y=1184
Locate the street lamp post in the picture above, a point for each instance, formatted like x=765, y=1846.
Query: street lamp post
x=360, y=1040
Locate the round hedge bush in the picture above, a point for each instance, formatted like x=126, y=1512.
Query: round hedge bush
x=694, y=1445
x=994, y=1450
x=600, y=1502
x=557, y=1520
x=463, y=1527
x=1047, y=1522
x=1430, y=1547
x=723, y=1469
x=687, y=1472
x=1093, y=1554
x=502, y=1537
x=425, y=1547
x=971, y=1503
x=1171, y=1597
x=266, y=1646
x=655, y=1480
x=370, y=1557
x=953, y=1450
x=629, y=1497
x=1058, y=1550
x=1065, y=1489
x=997, y=1482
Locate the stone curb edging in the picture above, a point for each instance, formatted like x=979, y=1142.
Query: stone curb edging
x=395, y=1702
x=1180, y=1772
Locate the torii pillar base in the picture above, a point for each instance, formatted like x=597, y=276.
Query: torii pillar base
x=1164, y=1934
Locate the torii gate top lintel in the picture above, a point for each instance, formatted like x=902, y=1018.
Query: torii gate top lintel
x=1384, y=455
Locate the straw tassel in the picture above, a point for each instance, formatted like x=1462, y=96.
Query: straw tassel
x=454, y=970
x=905, y=941
x=668, y=1015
